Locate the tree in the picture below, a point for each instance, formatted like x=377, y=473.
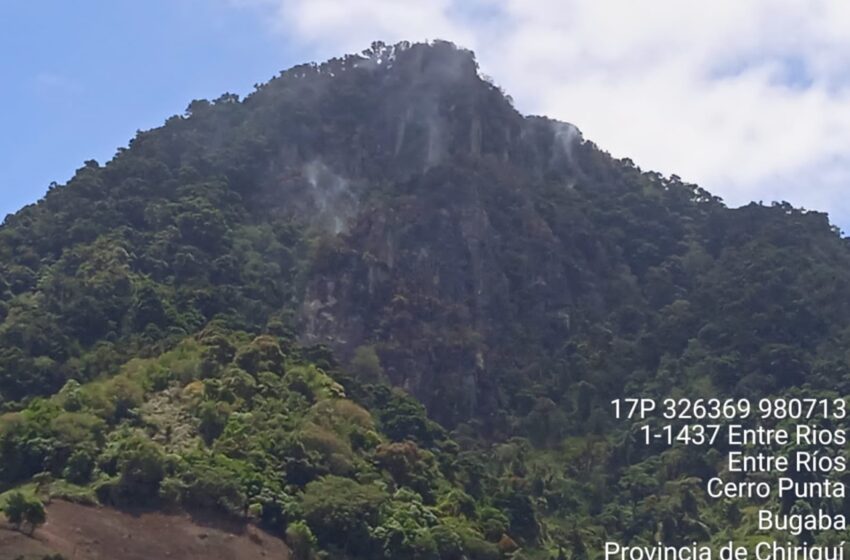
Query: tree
x=80, y=465
x=20, y=510
x=366, y=365
x=341, y=511
x=301, y=540
x=14, y=509
x=213, y=420
x=140, y=464
x=34, y=514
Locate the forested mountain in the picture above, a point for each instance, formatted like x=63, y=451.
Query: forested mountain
x=215, y=318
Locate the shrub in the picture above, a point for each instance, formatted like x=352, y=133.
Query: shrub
x=449, y=543
x=20, y=510
x=140, y=466
x=341, y=511
x=213, y=418
x=79, y=467
x=301, y=540
x=366, y=365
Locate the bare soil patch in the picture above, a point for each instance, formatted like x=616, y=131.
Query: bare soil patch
x=80, y=532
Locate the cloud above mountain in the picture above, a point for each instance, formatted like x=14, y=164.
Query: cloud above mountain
x=749, y=99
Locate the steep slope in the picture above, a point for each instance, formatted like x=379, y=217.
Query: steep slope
x=396, y=201
x=394, y=207
x=242, y=430
x=77, y=531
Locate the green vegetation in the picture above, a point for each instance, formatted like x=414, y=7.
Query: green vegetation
x=21, y=511
x=282, y=445
x=172, y=323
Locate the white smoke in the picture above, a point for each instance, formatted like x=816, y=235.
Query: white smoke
x=335, y=204
x=565, y=139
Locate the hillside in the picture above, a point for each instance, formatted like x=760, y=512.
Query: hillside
x=77, y=531
x=214, y=318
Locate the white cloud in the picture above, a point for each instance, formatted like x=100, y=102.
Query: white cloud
x=749, y=99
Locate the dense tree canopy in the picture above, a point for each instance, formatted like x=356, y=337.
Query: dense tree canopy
x=374, y=308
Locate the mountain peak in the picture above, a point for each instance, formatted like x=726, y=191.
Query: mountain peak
x=410, y=107
x=224, y=312
x=437, y=59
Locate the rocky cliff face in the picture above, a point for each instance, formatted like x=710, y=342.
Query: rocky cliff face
x=395, y=204
x=420, y=267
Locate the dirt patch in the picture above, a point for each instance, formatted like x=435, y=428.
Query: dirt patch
x=80, y=532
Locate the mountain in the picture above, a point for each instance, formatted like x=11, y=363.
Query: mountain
x=216, y=316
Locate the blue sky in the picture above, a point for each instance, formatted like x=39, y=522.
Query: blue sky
x=79, y=78
x=749, y=99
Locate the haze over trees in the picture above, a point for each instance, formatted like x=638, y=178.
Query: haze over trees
x=373, y=308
